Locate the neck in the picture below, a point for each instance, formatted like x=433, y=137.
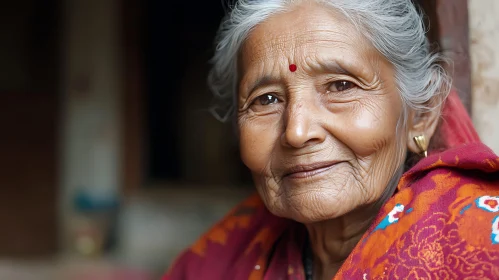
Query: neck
x=333, y=240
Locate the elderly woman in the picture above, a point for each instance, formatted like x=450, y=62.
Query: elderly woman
x=334, y=101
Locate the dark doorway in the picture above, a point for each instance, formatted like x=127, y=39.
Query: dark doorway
x=183, y=142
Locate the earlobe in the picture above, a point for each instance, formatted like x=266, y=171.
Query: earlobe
x=422, y=126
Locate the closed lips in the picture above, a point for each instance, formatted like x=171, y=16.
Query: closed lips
x=308, y=170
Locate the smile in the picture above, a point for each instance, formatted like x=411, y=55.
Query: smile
x=310, y=170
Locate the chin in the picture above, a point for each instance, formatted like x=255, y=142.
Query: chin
x=311, y=208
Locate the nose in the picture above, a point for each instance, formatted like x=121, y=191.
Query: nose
x=302, y=124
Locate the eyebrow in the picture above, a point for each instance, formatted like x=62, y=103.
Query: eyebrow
x=330, y=66
x=264, y=81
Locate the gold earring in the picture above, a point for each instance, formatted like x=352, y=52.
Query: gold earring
x=422, y=144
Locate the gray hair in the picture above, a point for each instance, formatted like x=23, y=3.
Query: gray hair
x=394, y=27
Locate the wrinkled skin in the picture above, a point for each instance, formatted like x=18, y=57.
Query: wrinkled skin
x=341, y=107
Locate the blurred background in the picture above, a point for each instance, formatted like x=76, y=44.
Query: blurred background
x=110, y=163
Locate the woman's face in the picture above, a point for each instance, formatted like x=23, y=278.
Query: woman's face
x=320, y=140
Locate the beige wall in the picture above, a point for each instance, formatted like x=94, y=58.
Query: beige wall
x=484, y=40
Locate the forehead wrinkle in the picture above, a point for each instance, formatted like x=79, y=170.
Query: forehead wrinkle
x=292, y=43
x=300, y=25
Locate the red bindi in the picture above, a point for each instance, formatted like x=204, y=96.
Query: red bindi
x=292, y=67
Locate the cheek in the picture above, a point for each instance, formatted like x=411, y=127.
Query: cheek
x=371, y=127
x=256, y=144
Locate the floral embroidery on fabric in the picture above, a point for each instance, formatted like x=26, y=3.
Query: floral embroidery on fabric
x=495, y=231
x=465, y=208
x=488, y=203
x=392, y=217
x=426, y=252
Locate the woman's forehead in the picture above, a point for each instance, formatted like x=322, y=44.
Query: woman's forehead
x=298, y=27
x=301, y=36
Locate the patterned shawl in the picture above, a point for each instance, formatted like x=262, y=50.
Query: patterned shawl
x=442, y=223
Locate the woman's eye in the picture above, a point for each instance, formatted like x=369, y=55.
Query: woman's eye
x=266, y=99
x=340, y=86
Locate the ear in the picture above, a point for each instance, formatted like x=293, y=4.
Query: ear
x=421, y=124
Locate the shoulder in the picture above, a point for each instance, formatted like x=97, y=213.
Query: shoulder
x=233, y=240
